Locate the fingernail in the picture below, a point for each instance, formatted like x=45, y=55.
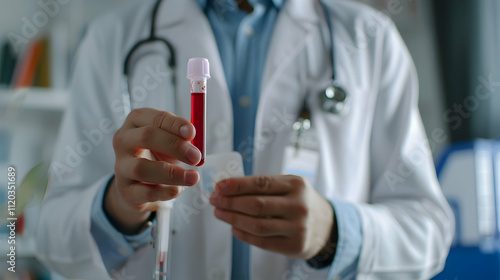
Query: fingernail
x=191, y=177
x=193, y=155
x=185, y=131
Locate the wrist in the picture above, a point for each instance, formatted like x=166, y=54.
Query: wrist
x=124, y=218
x=326, y=255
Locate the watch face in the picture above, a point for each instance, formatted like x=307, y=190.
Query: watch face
x=333, y=99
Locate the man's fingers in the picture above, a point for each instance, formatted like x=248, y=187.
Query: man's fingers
x=159, y=141
x=161, y=119
x=270, y=185
x=279, y=244
x=256, y=226
x=141, y=193
x=165, y=158
x=259, y=206
x=155, y=172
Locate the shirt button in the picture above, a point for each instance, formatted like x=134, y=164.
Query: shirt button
x=134, y=244
x=122, y=251
x=245, y=101
x=249, y=31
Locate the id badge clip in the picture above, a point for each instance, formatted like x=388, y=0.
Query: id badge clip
x=302, y=157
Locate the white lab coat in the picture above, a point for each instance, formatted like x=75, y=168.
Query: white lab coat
x=374, y=156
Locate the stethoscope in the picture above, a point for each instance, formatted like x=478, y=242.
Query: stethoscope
x=333, y=99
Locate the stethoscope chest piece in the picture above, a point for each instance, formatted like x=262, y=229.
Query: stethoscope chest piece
x=333, y=99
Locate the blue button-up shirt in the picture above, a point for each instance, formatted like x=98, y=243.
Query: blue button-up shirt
x=243, y=40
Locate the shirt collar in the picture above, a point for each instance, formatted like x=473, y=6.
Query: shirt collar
x=277, y=3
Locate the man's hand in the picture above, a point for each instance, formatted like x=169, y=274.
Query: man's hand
x=148, y=147
x=281, y=213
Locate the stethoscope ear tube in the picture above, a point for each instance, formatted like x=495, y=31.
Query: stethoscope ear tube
x=333, y=99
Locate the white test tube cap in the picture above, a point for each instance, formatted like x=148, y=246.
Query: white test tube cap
x=198, y=67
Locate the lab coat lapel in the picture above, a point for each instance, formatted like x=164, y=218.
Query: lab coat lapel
x=291, y=33
x=173, y=13
x=292, y=27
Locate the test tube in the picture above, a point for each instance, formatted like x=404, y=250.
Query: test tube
x=198, y=72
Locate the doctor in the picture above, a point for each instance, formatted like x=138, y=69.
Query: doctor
x=375, y=210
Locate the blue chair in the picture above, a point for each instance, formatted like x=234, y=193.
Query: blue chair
x=469, y=174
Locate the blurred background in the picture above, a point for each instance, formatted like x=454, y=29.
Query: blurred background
x=456, y=48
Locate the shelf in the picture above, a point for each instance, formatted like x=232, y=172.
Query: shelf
x=25, y=246
x=44, y=99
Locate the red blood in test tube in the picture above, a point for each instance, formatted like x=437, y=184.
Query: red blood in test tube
x=162, y=258
x=198, y=120
x=198, y=71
